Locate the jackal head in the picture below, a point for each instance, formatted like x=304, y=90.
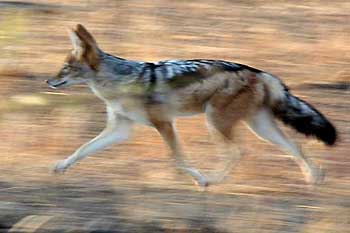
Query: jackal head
x=82, y=62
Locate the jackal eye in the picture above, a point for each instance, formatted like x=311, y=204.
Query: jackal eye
x=70, y=68
x=65, y=68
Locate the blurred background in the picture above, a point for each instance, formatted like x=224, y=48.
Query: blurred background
x=134, y=187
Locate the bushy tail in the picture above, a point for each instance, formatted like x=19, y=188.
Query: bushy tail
x=297, y=113
x=304, y=118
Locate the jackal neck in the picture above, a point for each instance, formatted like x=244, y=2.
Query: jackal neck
x=119, y=69
x=116, y=76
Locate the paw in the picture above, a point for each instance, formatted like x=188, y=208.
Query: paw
x=316, y=176
x=60, y=167
x=197, y=177
x=202, y=181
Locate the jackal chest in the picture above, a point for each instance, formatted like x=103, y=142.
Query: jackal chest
x=131, y=109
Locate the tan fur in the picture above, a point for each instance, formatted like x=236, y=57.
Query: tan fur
x=90, y=53
x=273, y=88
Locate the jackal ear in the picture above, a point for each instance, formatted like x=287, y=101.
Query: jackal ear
x=86, y=46
x=85, y=35
x=78, y=47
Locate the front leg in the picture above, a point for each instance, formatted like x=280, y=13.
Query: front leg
x=167, y=131
x=116, y=131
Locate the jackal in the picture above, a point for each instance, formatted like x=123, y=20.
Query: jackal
x=155, y=94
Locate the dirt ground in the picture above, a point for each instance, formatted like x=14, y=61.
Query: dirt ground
x=134, y=187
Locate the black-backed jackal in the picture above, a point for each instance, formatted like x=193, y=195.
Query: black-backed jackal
x=155, y=94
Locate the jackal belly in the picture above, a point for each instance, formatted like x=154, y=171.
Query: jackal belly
x=166, y=103
x=145, y=110
x=161, y=106
x=186, y=101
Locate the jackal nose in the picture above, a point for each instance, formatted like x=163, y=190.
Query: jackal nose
x=49, y=83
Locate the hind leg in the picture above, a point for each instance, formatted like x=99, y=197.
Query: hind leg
x=263, y=124
x=167, y=131
x=224, y=110
x=222, y=124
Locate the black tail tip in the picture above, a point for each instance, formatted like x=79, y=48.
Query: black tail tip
x=328, y=134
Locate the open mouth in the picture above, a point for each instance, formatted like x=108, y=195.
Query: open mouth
x=56, y=85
